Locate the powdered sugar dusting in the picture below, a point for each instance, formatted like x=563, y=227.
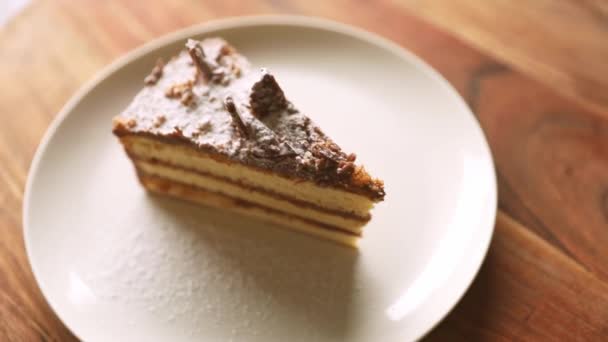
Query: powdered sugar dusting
x=186, y=264
x=151, y=102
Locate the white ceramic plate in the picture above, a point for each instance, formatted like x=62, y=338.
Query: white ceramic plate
x=118, y=264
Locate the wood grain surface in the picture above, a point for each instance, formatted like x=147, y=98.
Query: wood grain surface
x=561, y=43
x=535, y=75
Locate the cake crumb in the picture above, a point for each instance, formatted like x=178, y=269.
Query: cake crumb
x=159, y=120
x=204, y=127
x=177, y=90
x=236, y=70
x=131, y=123
x=187, y=97
x=156, y=73
x=361, y=177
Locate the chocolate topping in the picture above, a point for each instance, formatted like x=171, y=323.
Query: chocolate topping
x=266, y=96
x=271, y=134
x=238, y=122
x=198, y=58
x=214, y=60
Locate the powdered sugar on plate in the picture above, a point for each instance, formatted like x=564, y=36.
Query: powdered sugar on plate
x=193, y=266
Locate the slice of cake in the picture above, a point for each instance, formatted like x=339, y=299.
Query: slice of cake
x=209, y=129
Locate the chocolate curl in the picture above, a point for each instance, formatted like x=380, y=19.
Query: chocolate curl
x=266, y=96
x=231, y=108
x=198, y=58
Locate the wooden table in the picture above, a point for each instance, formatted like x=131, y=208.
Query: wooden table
x=535, y=74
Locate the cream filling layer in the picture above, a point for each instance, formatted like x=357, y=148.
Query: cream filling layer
x=250, y=195
x=184, y=192
x=189, y=158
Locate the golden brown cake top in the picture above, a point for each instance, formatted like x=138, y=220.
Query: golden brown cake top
x=209, y=97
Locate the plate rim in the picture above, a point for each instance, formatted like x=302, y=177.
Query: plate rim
x=242, y=22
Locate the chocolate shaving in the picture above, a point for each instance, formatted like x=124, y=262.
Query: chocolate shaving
x=220, y=76
x=286, y=149
x=198, y=58
x=177, y=133
x=236, y=118
x=204, y=126
x=156, y=73
x=327, y=150
x=273, y=150
x=345, y=168
x=266, y=96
